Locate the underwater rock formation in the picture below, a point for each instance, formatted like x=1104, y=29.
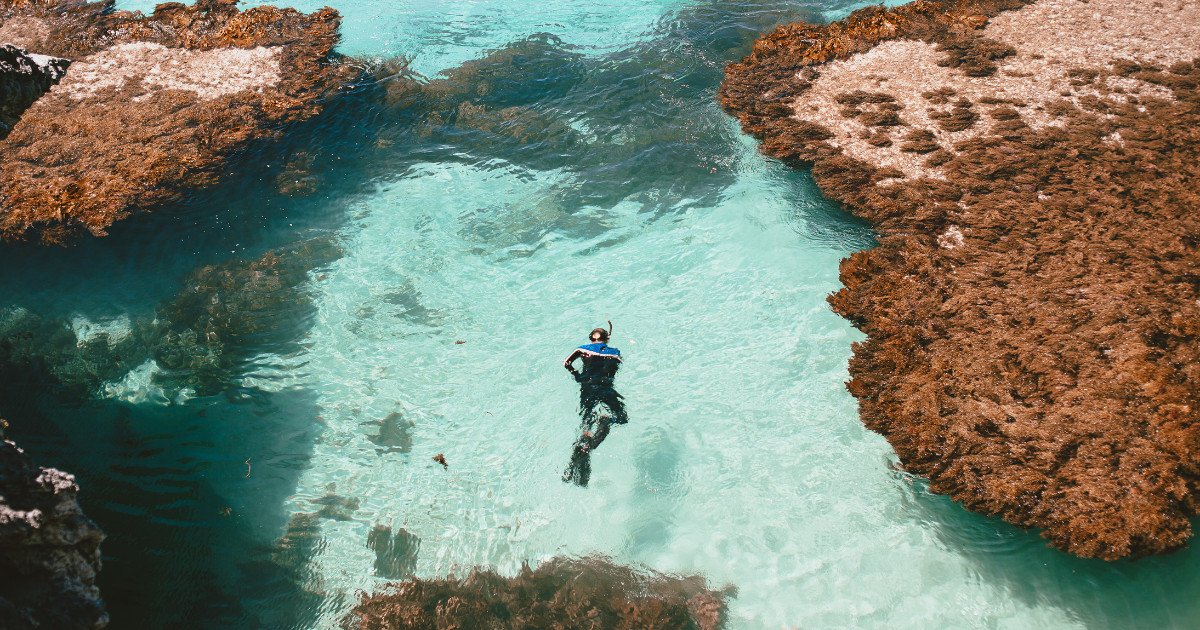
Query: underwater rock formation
x=24, y=78
x=395, y=554
x=587, y=593
x=195, y=341
x=49, y=551
x=395, y=434
x=153, y=105
x=36, y=351
x=239, y=307
x=1032, y=306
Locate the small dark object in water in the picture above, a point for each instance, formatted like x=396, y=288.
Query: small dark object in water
x=441, y=459
x=459, y=342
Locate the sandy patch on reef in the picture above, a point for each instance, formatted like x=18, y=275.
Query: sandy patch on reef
x=149, y=67
x=1052, y=38
x=1084, y=33
x=23, y=31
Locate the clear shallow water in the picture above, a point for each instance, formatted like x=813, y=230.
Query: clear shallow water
x=744, y=459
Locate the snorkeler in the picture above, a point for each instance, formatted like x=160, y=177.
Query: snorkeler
x=600, y=364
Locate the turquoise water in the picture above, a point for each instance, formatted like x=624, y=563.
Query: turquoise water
x=633, y=198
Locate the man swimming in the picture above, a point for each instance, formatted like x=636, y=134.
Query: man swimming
x=600, y=364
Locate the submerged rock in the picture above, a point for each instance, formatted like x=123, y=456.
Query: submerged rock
x=49, y=551
x=36, y=352
x=195, y=342
x=336, y=507
x=153, y=105
x=395, y=554
x=395, y=434
x=235, y=308
x=24, y=78
x=1032, y=306
x=590, y=593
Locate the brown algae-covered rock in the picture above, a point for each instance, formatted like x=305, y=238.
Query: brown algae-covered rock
x=152, y=106
x=588, y=593
x=1032, y=306
x=49, y=551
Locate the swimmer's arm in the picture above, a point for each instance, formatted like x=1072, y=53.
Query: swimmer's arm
x=571, y=359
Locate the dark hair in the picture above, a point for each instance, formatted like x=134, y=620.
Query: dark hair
x=599, y=331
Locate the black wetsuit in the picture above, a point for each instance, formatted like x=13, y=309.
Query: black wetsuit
x=600, y=365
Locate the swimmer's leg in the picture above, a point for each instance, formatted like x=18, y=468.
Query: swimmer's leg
x=593, y=432
x=602, y=427
x=614, y=402
x=579, y=471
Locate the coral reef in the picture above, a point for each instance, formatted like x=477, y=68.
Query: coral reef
x=24, y=78
x=1031, y=307
x=49, y=551
x=591, y=592
x=152, y=106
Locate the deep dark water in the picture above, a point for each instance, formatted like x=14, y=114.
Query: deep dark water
x=189, y=544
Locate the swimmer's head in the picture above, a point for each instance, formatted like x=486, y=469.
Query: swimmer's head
x=599, y=334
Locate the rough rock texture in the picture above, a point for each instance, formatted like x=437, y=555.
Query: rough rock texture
x=49, y=551
x=589, y=593
x=153, y=105
x=24, y=78
x=1032, y=306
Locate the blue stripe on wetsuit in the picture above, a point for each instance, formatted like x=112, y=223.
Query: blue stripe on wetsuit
x=600, y=348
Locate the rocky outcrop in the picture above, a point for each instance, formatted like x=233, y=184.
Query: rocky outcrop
x=1032, y=306
x=587, y=593
x=153, y=105
x=49, y=551
x=24, y=78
